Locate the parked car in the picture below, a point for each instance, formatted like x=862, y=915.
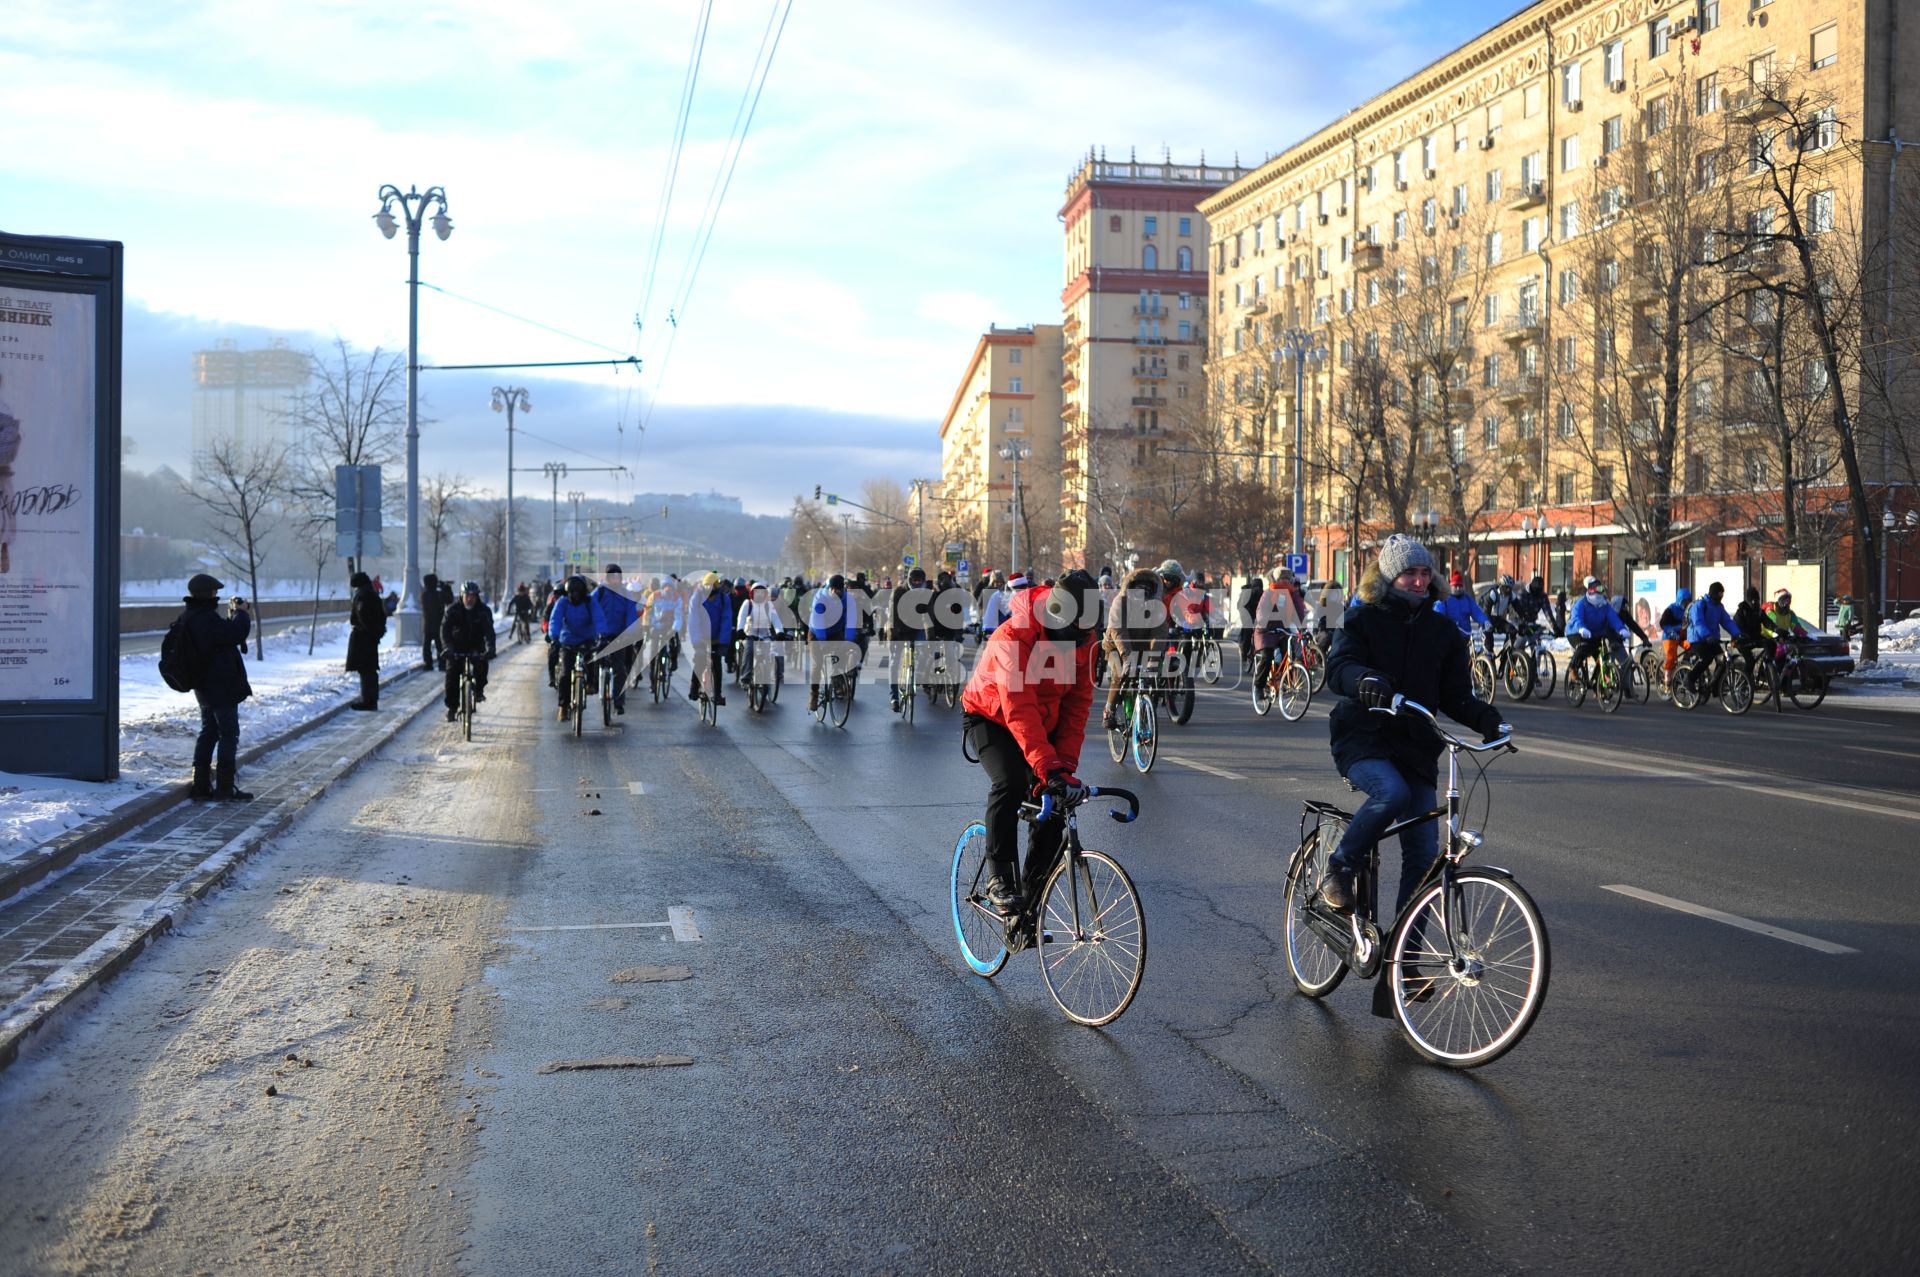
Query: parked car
x=1828, y=653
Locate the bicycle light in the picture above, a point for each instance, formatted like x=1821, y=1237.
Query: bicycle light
x=1467, y=840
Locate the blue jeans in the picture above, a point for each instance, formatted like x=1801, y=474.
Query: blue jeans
x=219, y=725
x=1390, y=797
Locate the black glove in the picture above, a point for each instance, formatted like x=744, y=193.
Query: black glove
x=1495, y=732
x=1374, y=692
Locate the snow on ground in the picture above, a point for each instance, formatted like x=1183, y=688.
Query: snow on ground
x=158, y=726
x=170, y=589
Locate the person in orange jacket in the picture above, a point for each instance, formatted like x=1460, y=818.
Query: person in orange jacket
x=1025, y=714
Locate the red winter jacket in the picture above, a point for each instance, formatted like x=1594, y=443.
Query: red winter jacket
x=1037, y=687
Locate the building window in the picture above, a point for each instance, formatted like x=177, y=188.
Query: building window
x=1487, y=494
x=1426, y=154
x=1569, y=220
x=1493, y=248
x=1706, y=95
x=1014, y=385
x=1113, y=223
x=1659, y=116
x=1015, y=423
x=1152, y=225
x=1816, y=378
x=1570, y=82
x=1373, y=292
x=1400, y=224
x=1492, y=307
x=1186, y=301
x=1493, y=185
x=1570, y=153
x=1610, y=135
x=1490, y=432
x=1530, y=234
x=1566, y=357
x=1820, y=212
x=1180, y=361
x=1706, y=170
x=1430, y=214
x=1490, y=372
x=1399, y=168
x=1186, y=226
x=1185, y=258
x=1569, y=287
x=1709, y=14
x=1822, y=131
x=1461, y=136
x=1346, y=248
x=1320, y=258
x=1460, y=200
x=1700, y=399
x=1603, y=483
x=1239, y=294
x=1662, y=36
x=1259, y=237
x=1563, y=487
x=1531, y=100
x=1826, y=47
x=1014, y=354
x=1149, y=258
x=1615, y=54
x=1496, y=112
x=1185, y=330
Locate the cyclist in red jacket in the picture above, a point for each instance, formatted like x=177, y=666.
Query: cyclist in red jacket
x=1025, y=714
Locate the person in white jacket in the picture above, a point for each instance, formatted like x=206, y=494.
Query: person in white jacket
x=998, y=605
x=759, y=620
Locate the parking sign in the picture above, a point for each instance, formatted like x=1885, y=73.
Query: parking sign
x=1297, y=564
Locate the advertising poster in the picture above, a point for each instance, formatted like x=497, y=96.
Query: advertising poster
x=1653, y=590
x=47, y=416
x=1731, y=575
x=1803, y=581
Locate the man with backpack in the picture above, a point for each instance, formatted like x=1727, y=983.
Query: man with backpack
x=202, y=653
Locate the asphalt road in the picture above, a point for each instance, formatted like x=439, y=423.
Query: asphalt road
x=767, y=901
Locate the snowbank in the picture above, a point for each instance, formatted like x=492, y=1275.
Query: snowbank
x=158, y=725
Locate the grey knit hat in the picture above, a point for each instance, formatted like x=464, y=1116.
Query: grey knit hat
x=1400, y=553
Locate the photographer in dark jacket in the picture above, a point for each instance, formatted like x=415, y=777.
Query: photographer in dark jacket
x=219, y=643
x=466, y=634
x=436, y=597
x=367, y=624
x=1396, y=642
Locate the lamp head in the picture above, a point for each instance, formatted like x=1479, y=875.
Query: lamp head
x=384, y=220
x=442, y=224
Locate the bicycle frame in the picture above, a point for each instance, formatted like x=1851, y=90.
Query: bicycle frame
x=1070, y=847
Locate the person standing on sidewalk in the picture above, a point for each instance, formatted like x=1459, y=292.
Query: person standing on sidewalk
x=434, y=600
x=218, y=643
x=367, y=624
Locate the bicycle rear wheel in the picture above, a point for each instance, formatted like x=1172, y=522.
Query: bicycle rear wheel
x=976, y=924
x=1262, y=690
x=1093, y=949
x=1610, y=690
x=1809, y=688
x=1466, y=1004
x=1646, y=675
x=1144, y=734
x=1180, y=700
x=1295, y=693
x=842, y=700
x=1317, y=970
x=1118, y=738
x=1577, y=683
x=1316, y=667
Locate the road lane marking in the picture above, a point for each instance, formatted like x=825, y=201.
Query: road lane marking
x=597, y=926
x=680, y=917
x=635, y=788
x=1891, y=753
x=1732, y=920
x=1856, y=802
x=1221, y=772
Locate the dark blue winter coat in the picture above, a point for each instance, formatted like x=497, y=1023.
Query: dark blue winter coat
x=613, y=612
x=219, y=642
x=573, y=624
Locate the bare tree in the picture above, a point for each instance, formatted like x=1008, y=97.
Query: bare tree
x=438, y=502
x=240, y=489
x=353, y=412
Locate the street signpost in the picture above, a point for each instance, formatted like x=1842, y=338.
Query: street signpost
x=356, y=513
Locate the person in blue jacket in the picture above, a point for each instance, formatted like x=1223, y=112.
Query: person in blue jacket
x=1460, y=608
x=1705, y=619
x=1673, y=629
x=833, y=622
x=709, y=630
x=1589, y=621
x=615, y=619
x=572, y=626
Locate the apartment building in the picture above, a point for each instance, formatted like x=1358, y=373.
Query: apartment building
x=1003, y=421
x=1134, y=319
x=1540, y=272
x=246, y=396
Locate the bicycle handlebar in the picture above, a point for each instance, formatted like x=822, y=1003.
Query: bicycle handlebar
x=1400, y=702
x=1132, y=814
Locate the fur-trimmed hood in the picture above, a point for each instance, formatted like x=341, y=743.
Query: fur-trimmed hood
x=1373, y=586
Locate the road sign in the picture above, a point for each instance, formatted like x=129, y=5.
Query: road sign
x=833, y=498
x=906, y=559
x=1297, y=564
x=356, y=511
x=963, y=567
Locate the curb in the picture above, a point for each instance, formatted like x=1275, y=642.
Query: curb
x=60, y=851
x=113, y=952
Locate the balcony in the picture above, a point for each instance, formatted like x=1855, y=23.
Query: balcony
x=1368, y=257
x=1641, y=289
x=1529, y=195
x=1149, y=401
x=1746, y=426
x=1150, y=312
x=1460, y=399
x=1644, y=358
x=1141, y=339
x=1756, y=104
x=1523, y=328
x=1150, y=372
x=1521, y=390
x=1257, y=306
x=1763, y=263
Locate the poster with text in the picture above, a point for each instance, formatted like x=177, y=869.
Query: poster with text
x=1653, y=591
x=47, y=440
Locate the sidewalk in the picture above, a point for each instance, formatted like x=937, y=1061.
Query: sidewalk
x=80, y=927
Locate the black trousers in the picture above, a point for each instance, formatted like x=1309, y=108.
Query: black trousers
x=219, y=725
x=1009, y=784
x=453, y=677
x=430, y=644
x=370, y=688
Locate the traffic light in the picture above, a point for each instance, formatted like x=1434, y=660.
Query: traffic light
x=816, y=492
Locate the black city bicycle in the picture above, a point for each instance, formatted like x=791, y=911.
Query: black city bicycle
x=469, y=696
x=522, y=631
x=1697, y=680
x=906, y=686
x=1466, y=962
x=833, y=689
x=1480, y=669
x=1084, y=917
x=659, y=671
x=1786, y=674
x=1138, y=720
x=578, y=661
x=607, y=677
x=1604, y=674
x=1173, y=682
x=1527, y=668
x=763, y=682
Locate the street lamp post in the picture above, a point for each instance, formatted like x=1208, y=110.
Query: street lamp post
x=413, y=206
x=506, y=399
x=556, y=471
x=846, y=526
x=576, y=498
x=1304, y=347
x=1016, y=453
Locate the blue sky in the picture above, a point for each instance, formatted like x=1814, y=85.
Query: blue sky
x=897, y=193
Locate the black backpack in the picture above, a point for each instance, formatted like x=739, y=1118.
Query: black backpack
x=182, y=665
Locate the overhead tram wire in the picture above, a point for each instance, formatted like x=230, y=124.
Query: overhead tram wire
x=558, y=332
x=665, y=205
x=723, y=181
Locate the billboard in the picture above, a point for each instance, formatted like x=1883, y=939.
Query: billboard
x=1731, y=575
x=1652, y=589
x=59, y=506
x=1805, y=581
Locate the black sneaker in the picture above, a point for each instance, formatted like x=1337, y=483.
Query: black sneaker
x=1113, y=720
x=1003, y=896
x=1336, y=891
x=452, y=715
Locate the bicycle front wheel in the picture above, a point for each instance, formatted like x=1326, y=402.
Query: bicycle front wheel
x=1481, y=669
x=1316, y=669
x=1468, y=1002
x=1577, y=684
x=1609, y=690
x=1145, y=734
x=1093, y=938
x=1210, y=665
x=1544, y=671
x=1296, y=693
x=1180, y=701
x=466, y=709
x=1736, y=688
x=1317, y=970
x=1515, y=674
x=976, y=924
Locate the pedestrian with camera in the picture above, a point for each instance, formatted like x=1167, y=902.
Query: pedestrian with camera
x=206, y=651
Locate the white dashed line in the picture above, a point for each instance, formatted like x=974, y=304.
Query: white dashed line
x=1208, y=768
